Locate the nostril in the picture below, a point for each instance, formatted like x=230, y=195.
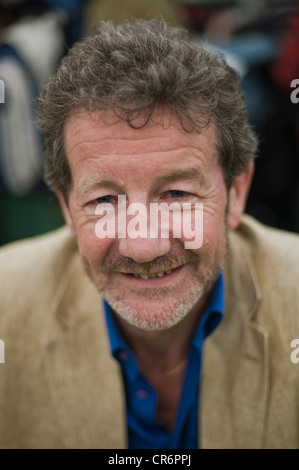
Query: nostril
x=144, y=250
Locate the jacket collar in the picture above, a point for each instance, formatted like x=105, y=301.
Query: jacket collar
x=84, y=380
x=234, y=381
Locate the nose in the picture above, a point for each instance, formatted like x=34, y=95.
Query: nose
x=143, y=242
x=143, y=250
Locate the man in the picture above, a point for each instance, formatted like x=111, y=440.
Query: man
x=118, y=340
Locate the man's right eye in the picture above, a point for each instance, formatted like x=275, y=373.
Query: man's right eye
x=103, y=199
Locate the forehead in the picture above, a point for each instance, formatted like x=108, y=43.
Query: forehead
x=98, y=139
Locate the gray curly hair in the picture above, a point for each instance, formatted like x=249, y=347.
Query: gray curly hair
x=134, y=68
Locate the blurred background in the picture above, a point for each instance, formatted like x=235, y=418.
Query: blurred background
x=260, y=39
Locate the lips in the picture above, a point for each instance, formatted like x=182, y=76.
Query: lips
x=155, y=275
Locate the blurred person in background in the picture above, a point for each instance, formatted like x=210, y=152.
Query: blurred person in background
x=250, y=34
x=34, y=36
x=122, y=10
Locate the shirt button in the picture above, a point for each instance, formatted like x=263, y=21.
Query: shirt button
x=123, y=355
x=142, y=395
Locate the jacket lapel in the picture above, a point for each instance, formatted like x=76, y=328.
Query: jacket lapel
x=84, y=380
x=234, y=381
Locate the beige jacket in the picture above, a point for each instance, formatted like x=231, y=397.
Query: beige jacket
x=60, y=388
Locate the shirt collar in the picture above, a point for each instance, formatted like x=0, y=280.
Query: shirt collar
x=212, y=315
x=116, y=340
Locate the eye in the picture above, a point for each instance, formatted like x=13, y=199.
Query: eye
x=103, y=199
x=176, y=193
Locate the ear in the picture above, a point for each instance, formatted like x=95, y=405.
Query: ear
x=66, y=213
x=238, y=195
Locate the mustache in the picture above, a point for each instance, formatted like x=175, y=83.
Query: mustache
x=170, y=260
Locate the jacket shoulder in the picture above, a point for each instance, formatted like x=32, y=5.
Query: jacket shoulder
x=35, y=265
x=33, y=253
x=266, y=245
x=272, y=258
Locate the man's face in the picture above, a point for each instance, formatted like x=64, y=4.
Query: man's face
x=150, y=165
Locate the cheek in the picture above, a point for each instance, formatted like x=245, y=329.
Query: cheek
x=91, y=248
x=208, y=226
x=212, y=230
x=214, y=240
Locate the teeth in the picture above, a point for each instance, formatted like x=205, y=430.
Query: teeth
x=144, y=276
x=153, y=275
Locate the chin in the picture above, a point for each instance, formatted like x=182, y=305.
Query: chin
x=155, y=314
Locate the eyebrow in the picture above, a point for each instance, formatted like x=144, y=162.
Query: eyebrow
x=89, y=183
x=192, y=174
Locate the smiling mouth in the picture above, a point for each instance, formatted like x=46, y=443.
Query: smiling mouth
x=154, y=275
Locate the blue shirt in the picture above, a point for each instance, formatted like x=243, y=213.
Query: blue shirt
x=143, y=430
